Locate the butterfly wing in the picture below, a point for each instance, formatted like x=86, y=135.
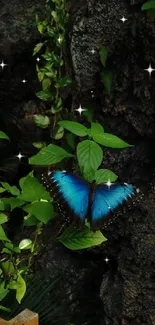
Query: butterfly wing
x=106, y=199
x=69, y=192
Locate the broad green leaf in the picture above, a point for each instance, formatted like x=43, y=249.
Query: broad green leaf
x=25, y=244
x=12, y=189
x=37, y=48
x=21, y=288
x=2, y=207
x=49, y=155
x=110, y=140
x=104, y=175
x=106, y=78
x=88, y=173
x=3, y=136
x=30, y=220
x=103, y=55
x=45, y=95
x=12, y=202
x=148, y=5
x=88, y=114
x=96, y=128
x=7, y=267
x=41, y=120
x=56, y=105
x=3, y=218
x=46, y=83
x=3, y=235
x=32, y=190
x=74, y=238
x=70, y=137
x=89, y=154
x=74, y=127
x=43, y=211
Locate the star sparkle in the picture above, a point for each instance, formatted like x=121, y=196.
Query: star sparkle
x=20, y=156
x=109, y=183
x=38, y=59
x=93, y=51
x=123, y=19
x=80, y=110
x=149, y=69
x=3, y=65
x=24, y=81
x=106, y=259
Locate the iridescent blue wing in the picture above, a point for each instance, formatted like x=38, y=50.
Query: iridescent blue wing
x=70, y=193
x=106, y=198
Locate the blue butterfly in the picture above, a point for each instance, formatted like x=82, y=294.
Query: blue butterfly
x=81, y=199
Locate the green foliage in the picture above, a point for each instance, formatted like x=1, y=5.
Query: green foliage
x=36, y=202
x=75, y=239
x=42, y=121
x=52, y=29
x=51, y=154
x=149, y=6
x=3, y=136
x=106, y=75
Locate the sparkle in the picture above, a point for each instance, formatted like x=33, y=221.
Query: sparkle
x=109, y=183
x=137, y=190
x=106, y=259
x=20, y=156
x=49, y=173
x=3, y=65
x=80, y=110
x=93, y=51
x=149, y=70
x=24, y=81
x=59, y=39
x=38, y=59
x=123, y=19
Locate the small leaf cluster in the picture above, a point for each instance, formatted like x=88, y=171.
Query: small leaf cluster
x=88, y=152
x=106, y=75
x=38, y=209
x=53, y=30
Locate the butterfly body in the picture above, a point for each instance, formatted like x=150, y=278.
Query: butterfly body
x=77, y=199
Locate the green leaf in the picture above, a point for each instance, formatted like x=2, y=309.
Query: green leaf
x=74, y=127
x=105, y=175
x=3, y=218
x=59, y=133
x=106, y=78
x=41, y=120
x=3, y=235
x=32, y=190
x=3, y=291
x=62, y=82
x=41, y=75
x=45, y=95
x=43, y=211
x=39, y=145
x=88, y=114
x=110, y=140
x=3, y=135
x=88, y=173
x=74, y=238
x=25, y=244
x=148, y=5
x=12, y=202
x=8, y=310
x=96, y=129
x=89, y=154
x=12, y=189
x=37, y=48
x=30, y=220
x=49, y=155
x=2, y=190
x=56, y=106
x=103, y=55
x=20, y=289
x=46, y=83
